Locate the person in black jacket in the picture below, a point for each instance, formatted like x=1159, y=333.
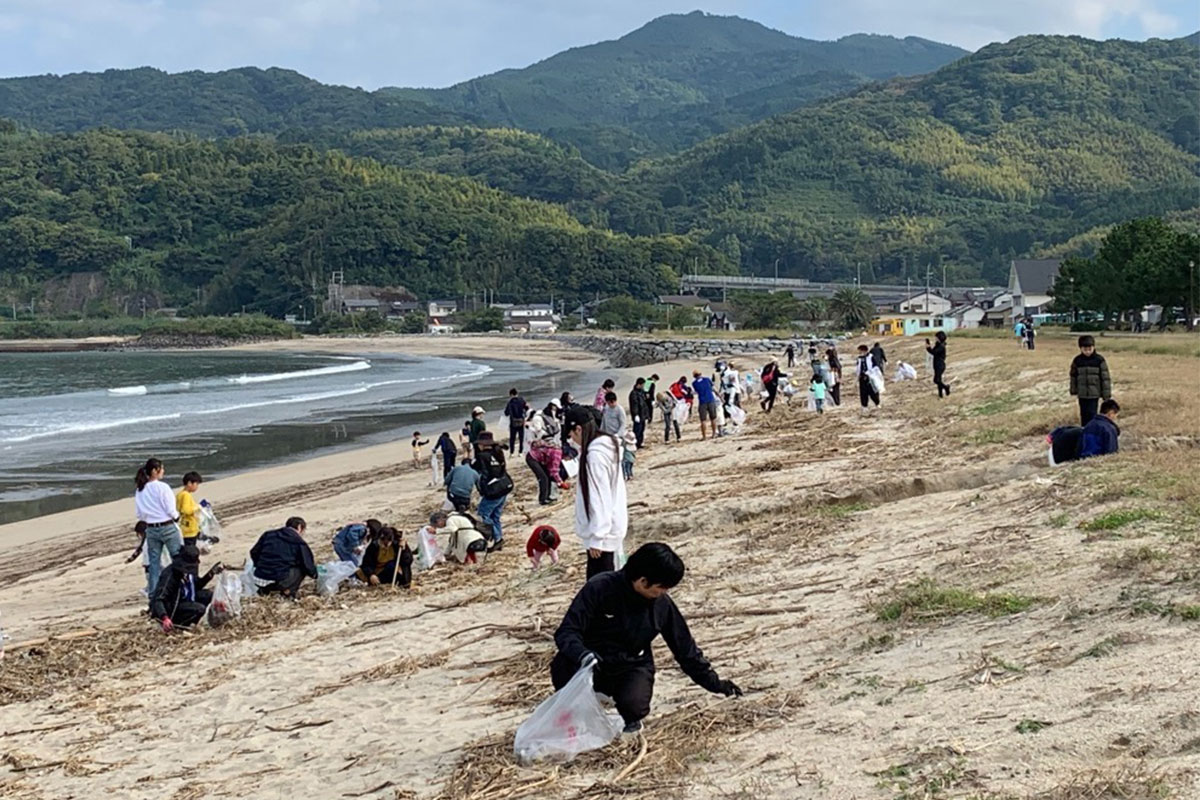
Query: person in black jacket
x=878, y=356
x=1090, y=381
x=640, y=409
x=449, y=453
x=282, y=559
x=180, y=598
x=516, y=410
x=613, y=620
x=938, y=351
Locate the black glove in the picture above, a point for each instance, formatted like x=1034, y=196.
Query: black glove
x=729, y=689
x=589, y=657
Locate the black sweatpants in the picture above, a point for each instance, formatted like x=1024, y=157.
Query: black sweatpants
x=866, y=391
x=290, y=584
x=630, y=686
x=543, y=479
x=516, y=438
x=937, y=381
x=772, y=390
x=639, y=432
x=1088, y=408
x=835, y=392
x=606, y=562
x=190, y=612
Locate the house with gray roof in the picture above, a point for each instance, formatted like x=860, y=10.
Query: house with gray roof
x=1030, y=282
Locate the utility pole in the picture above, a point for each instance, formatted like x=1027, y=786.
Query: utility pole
x=143, y=304
x=777, y=272
x=858, y=274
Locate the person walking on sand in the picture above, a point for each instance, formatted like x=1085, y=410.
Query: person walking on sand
x=495, y=485
x=651, y=390
x=770, y=382
x=612, y=623
x=878, y=357
x=155, y=505
x=706, y=400
x=790, y=352
x=516, y=410
x=666, y=404
x=835, y=375
x=445, y=446
x=476, y=427
x=817, y=389
x=1030, y=334
x=641, y=408
x=867, y=391
x=1090, y=381
x=938, y=351
x=601, y=511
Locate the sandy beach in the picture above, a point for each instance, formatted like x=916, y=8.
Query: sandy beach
x=916, y=604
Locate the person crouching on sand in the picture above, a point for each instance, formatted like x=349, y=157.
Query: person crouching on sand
x=543, y=541
x=282, y=559
x=388, y=560
x=612, y=622
x=180, y=598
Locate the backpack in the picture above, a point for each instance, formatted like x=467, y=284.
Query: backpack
x=494, y=481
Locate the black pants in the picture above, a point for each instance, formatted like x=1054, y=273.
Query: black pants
x=1088, y=407
x=630, y=686
x=866, y=391
x=639, y=431
x=516, y=438
x=937, y=380
x=835, y=392
x=289, y=585
x=543, y=479
x=447, y=464
x=459, y=503
x=190, y=612
x=769, y=403
x=605, y=562
x=791, y=360
x=389, y=571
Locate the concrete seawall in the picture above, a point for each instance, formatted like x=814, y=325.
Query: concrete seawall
x=622, y=351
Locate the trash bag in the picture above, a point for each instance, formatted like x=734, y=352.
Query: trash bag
x=226, y=601
x=812, y=402
x=680, y=412
x=875, y=375
x=569, y=722
x=249, y=587
x=737, y=415
x=331, y=574
x=428, y=550
x=209, y=526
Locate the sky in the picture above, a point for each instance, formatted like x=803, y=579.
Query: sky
x=373, y=43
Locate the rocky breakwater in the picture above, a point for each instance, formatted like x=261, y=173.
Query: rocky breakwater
x=624, y=351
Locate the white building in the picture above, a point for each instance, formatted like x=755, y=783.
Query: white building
x=442, y=308
x=926, y=303
x=1030, y=283
x=968, y=316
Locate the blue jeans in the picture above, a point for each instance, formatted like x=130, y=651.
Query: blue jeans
x=490, y=511
x=158, y=537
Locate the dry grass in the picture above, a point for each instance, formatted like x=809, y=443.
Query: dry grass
x=1127, y=782
x=648, y=767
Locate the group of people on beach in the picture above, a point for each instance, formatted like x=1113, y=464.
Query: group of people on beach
x=588, y=448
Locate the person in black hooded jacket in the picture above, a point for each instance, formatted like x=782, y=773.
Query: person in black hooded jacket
x=938, y=351
x=282, y=559
x=180, y=598
x=612, y=622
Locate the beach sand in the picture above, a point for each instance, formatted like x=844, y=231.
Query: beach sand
x=1066, y=659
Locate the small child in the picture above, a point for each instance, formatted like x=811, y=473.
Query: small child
x=187, y=507
x=544, y=539
x=817, y=387
x=417, y=444
x=630, y=455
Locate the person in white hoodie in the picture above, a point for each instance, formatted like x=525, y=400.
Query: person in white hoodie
x=601, y=512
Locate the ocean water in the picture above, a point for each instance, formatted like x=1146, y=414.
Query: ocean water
x=75, y=426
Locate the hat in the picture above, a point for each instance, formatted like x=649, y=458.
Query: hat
x=477, y=410
x=578, y=416
x=189, y=557
x=630, y=438
x=485, y=438
x=554, y=401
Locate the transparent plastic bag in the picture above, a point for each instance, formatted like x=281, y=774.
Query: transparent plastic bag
x=429, y=552
x=569, y=722
x=249, y=587
x=331, y=575
x=209, y=526
x=227, y=599
x=737, y=416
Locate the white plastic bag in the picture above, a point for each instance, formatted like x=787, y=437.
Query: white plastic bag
x=680, y=413
x=226, y=601
x=738, y=415
x=812, y=401
x=331, y=574
x=571, y=465
x=569, y=722
x=249, y=587
x=428, y=550
x=875, y=375
x=209, y=525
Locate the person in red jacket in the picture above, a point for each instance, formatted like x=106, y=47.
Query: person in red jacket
x=543, y=540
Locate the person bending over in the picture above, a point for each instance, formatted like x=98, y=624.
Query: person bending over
x=544, y=541
x=1101, y=434
x=613, y=621
x=282, y=559
x=180, y=598
x=351, y=542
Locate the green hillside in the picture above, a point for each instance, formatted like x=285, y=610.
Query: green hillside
x=1012, y=149
x=246, y=222
x=681, y=78
x=229, y=103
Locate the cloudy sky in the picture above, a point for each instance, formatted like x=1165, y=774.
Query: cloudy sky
x=372, y=43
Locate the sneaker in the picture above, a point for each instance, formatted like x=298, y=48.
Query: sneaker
x=496, y=547
x=633, y=727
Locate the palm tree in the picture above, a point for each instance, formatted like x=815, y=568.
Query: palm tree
x=814, y=309
x=852, y=307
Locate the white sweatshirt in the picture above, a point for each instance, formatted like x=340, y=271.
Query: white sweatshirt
x=155, y=502
x=605, y=529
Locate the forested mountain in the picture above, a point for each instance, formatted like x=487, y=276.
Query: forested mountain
x=679, y=79
x=246, y=222
x=1019, y=146
x=230, y=103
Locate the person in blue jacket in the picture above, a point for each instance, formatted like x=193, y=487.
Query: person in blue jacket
x=1101, y=434
x=351, y=542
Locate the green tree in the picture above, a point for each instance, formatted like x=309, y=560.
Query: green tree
x=483, y=320
x=414, y=322
x=765, y=310
x=852, y=307
x=625, y=313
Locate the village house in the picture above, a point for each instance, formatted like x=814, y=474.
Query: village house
x=1031, y=283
